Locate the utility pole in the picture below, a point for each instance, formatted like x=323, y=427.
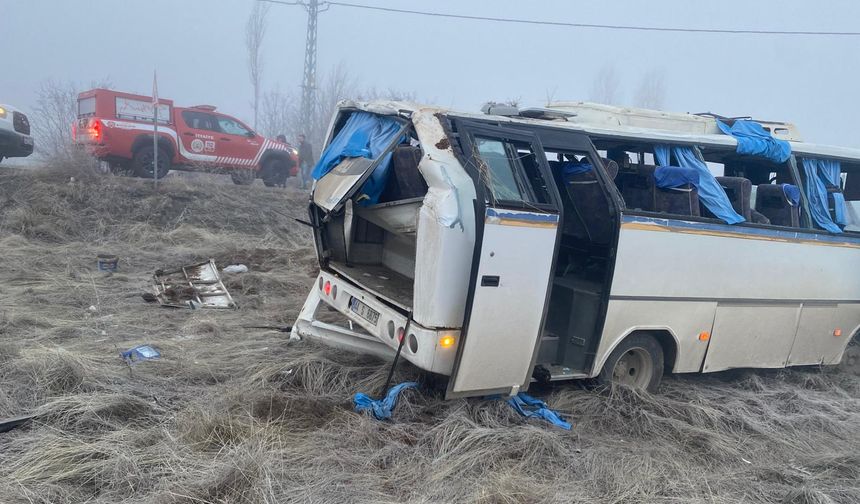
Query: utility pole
x=309, y=81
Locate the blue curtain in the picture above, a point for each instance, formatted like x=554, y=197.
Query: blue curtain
x=711, y=193
x=818, y=173
x=754, y=140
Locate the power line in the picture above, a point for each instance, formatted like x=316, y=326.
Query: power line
x=588, y=25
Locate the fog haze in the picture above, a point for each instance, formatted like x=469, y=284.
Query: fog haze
x=198, y=49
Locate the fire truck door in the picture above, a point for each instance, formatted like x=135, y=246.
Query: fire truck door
x=236, y=142
x=198, y=137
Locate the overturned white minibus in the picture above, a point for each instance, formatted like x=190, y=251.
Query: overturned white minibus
x=580, y=241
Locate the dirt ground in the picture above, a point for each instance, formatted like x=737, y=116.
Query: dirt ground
x=234, y=414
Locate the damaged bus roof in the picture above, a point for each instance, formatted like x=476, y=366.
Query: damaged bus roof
x=386, y=107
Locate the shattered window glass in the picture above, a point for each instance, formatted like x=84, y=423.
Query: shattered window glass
x=506, y=169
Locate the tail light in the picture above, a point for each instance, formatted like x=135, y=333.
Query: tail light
x=96, y=130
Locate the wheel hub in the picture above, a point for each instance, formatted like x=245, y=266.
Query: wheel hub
x=634, y=369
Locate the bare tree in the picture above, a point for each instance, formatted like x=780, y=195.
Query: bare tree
x=604, y=89
x=255, y=32
x=336, y=85
x=276, y=113
x=281, y=112
x=651, y=92
x=55, y=111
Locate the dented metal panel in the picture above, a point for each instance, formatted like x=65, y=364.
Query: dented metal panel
x=195, y=286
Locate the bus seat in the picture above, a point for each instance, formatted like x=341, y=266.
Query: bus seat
x=611, y=168
x=676, y=191
x=852, y=186
x=638, y=187
x=678, y=200
x=771, y=201
x=591, y=203
x=404, y=180
x=836, y=204
x=739, y=191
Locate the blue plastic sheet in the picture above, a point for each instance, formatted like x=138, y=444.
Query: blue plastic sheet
x=754, y=140
x=363, y=135
x=792, y=194
x=818, y=173
x=381, y=408
x=530, y=407
x=569, y=168
x=140, y=353
x=667, y=177
x=711, y=193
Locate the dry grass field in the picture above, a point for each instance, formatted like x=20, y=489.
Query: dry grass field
x=233, y=414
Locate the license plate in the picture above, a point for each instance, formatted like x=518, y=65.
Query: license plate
x=27, y=141
x=364, y=311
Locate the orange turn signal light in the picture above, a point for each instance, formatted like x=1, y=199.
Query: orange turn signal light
x=837, y=332
x=446, y=341
x=704, y=336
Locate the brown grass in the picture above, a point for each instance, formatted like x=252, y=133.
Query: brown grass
x=237, y=415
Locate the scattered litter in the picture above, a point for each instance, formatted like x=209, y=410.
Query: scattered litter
x=195, y=286
x=235, y=268
x=381, y=408
x=530, y=407
x=139, y=353
x=7, y=424
x=107, y=262
x=149, y=297
x=746, y=461
x=93, y=308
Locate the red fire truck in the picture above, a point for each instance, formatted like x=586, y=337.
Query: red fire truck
x=119, y=128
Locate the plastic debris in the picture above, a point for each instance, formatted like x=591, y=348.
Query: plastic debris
x=235, y=268
x=139, y=353
x=530, y=407
x=381, y=408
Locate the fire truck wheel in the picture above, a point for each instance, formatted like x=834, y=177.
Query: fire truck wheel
x=143, y=162
x=243, y=177
x=275, y=173
x=637, y=363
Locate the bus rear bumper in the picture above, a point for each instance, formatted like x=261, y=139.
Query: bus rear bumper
x=429, y=349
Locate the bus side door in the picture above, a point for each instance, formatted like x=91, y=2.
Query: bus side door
x=517, y=228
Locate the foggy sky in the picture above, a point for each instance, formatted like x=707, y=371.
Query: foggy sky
x=198, y=49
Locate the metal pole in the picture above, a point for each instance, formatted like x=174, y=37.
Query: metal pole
x=310, y=75
x=155, y=148
x=154, y=130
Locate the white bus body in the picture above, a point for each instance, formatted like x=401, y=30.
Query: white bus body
x=494, y=295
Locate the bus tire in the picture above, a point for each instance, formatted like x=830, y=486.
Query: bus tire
x=637, y=362
x=851, y=358
x=243, y=177
x=142, y=162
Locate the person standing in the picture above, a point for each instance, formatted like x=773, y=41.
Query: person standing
x=306, y=161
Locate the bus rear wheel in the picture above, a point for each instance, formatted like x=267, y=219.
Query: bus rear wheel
x=851, y=358
x=637, y=363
